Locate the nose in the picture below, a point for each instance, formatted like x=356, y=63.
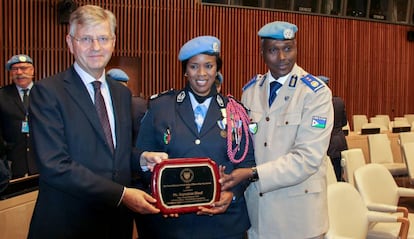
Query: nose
x=202, y=71
x=282, y=55
x=95, y=44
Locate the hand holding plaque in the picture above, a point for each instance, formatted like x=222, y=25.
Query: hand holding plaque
x=184, y=184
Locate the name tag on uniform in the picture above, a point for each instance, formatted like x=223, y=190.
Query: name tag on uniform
x=25, y=127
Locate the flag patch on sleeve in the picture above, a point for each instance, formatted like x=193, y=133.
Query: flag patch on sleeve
x=318, y=122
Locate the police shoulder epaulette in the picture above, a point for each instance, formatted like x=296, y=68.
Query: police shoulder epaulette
x=251, y=82
x=167, y=92
x=312, y=82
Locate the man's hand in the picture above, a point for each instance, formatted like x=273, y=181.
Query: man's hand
x=228, y=181
x=149, y=159
x=139, y=201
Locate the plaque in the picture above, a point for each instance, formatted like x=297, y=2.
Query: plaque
x=182, y=185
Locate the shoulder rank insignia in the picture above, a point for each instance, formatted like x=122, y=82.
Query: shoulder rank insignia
x=293, y=81
x=312, y=82
x=220, y=100
x=181, y=97
x=161, y=94
x=251, y=82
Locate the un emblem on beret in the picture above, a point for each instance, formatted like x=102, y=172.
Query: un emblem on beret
x=288, y=34
x=215, y=47
x=22, y=59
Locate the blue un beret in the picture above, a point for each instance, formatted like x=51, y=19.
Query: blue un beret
x=20, y=58
x=324, y=79
x=118, y=74
x=278, y=31
x=198, y=45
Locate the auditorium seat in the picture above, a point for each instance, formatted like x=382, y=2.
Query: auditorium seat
x=408, y=152
x=350, y=218
x=380, y=152
x=351, y=160
x=358, y=121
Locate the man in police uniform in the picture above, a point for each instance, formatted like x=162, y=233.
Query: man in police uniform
x=173, y=125
x=288, y=199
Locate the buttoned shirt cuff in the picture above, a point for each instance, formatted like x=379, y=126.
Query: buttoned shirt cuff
x=143, y=163
x=122, y=197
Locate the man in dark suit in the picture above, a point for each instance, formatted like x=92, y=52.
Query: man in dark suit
x=139, y=105
x=82, y=130
x=14, y=130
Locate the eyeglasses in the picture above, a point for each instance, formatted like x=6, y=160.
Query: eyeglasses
x=22, y=68
x=87, y=40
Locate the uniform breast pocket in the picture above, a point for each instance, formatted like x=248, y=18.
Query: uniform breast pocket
x=289, y=119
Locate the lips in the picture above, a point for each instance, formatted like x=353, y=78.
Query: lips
x=201, y=82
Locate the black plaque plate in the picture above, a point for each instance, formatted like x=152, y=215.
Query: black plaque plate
x=182, y=185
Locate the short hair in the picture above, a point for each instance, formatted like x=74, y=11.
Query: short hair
x=90, y=15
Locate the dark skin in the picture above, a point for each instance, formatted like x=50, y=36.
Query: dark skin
x=201, y=72
x=280, y=57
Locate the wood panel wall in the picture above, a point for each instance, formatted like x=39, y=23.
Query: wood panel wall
x=371, y=64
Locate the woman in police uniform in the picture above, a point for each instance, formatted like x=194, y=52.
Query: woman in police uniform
x=170, y=125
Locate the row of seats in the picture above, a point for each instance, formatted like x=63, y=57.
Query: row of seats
x=382, y=122
x=366, y=205
x=368, y=209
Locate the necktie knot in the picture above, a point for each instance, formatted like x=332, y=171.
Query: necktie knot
x=199, y=115
x=274, y=86
x=96, y=86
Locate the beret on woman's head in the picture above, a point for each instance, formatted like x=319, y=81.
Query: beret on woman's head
x=199, y=45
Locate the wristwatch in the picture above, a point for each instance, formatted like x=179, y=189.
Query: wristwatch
x=255, y=176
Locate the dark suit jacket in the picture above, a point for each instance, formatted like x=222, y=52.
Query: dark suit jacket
x=80, y=182
x=139, y=106
x=18, y=146
x=168, y=114
x=338, y=140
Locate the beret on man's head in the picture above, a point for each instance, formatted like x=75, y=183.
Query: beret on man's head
x=199, y=45
x=118, y=74
x=324, y=79
x=278, y=31
x=20, y=58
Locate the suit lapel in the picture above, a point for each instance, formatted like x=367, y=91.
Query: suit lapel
x=15, y=97
x=77, y=90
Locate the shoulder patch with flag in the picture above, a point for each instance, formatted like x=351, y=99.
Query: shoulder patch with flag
x=318, y=122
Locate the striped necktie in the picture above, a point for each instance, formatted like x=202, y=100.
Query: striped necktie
x=103, y=114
